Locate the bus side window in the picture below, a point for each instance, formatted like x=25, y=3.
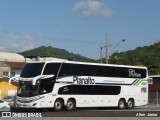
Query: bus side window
x=46, y=86
x=51, y=68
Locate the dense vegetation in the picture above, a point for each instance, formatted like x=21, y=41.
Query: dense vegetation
x=143, y=56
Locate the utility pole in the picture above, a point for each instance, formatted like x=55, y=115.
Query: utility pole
x=106, y=48
x=101, y=56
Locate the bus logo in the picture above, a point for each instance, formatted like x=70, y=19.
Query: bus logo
x=82, y=80
x=132, y=73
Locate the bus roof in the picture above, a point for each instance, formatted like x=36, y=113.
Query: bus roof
x=87, y=63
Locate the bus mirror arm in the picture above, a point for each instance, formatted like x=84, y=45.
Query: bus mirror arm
x=41, y=77
x=15, y=79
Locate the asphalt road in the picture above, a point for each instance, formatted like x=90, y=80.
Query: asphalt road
x=143, y=111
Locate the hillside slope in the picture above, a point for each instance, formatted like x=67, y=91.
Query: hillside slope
x=146, y=56
x=55, y=52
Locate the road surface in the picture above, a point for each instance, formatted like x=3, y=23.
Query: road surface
x=143, y=111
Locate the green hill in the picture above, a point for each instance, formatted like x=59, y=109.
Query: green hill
x=55, y=52
x=146, y=56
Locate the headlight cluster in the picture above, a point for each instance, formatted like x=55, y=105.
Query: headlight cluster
x=28, y=100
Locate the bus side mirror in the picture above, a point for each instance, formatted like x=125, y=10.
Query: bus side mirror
x=41, y=77
x=15, y=79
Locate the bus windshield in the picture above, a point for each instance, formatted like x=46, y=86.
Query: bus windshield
x=26, y=89
x=32, y=70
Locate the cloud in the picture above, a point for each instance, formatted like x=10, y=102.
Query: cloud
x=92, y=7
x=17, y=41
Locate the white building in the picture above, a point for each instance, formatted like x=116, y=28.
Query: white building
x=11, y=64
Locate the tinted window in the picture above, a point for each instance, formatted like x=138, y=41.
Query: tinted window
x=85, y=70
x=130, y=72
x=51, y=68
x=32, y=70
x=102, y=71
x=90, y=90
x=26, y=89
x=46, y=86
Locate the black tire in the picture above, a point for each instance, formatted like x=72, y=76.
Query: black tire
x=121, y=104
x=130, y=104
x=58, y=105
x=71, y=105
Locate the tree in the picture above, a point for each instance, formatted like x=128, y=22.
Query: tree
x=154, y=69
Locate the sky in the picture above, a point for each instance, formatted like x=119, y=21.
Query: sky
x=79, y=26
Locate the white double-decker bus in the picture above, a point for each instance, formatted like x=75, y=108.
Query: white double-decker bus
x=68, y=84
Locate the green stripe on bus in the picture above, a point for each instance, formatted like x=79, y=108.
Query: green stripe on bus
x=139, y=81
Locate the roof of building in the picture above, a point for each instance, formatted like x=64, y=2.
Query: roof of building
x=154, y=76
x=2, y=64
x=16, y=65
x=14, y=57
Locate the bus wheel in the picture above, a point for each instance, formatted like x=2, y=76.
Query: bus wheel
x=58, y=104
x=71, y=105
x=121, y=104
x=130, y=104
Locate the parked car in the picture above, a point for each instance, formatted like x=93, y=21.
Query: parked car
x=4, y=104
x=10, y=100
